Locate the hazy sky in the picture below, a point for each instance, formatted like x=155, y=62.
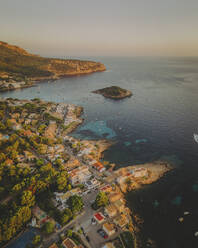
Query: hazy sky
x=101, y=27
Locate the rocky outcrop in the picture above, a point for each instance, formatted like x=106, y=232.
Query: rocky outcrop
x=114, y=92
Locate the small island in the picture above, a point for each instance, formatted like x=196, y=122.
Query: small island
x=114, y=92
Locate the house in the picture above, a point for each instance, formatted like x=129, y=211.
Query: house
x=91, y=184
x=111, y=210
x=119, y=204
x=107, y=188
x=9, y=161
x=80, y=175
x=62, y=197
x=109, y=245
x=29, y=156
x=108, y=228
x=27, y=133
x=98, y=166
x=23, y=165
x=99, y=217
x=20, y=158
x=121, y=220
x=68, y=243
x=17, y=126
x=40, y=216
x=53, y=246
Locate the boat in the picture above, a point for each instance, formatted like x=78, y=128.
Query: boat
x=195, y=137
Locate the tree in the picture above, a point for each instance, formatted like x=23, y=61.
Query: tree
x=49, y=227
x=27, y=198
x=62, y=181
x=36, y=240
x=67, y=214
x=69, y=233
x=75, y=203
x=101, y=199
x=40, y=162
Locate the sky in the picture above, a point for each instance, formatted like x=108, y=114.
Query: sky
x=101, y=27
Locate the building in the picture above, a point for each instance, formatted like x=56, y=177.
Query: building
x=108, y=228
x=119, y=204
x=29, y=156
x=109, y=245
x=98, y=166
x=40, y=215
x=99, y=217
x=121, y=220
x=91, y=184
x=107, y=188
x=63, y=197
x=79, y=175
x=68, y=243
x=111, y=210
x=53, y=246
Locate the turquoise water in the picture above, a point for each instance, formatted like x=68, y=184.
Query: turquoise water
x=157, y=122
x=98, y=128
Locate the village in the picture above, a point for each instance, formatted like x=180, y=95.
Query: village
x=102, y=219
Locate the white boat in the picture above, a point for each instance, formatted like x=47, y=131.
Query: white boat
x=195, y=137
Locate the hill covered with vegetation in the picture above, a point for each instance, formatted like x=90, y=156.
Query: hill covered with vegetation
x=17, y=65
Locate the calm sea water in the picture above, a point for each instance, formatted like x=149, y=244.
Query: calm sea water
x=157, y=122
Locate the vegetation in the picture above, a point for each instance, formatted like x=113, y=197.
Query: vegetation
x=114, y=92
x=101, y=199
x=19, y=65
x=75, y=203
x=127, y=239
x=26, y=177
x=49, y=227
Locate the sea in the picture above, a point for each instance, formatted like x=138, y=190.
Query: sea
x=156, y=123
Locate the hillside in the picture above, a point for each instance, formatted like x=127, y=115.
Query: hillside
x=19, y=66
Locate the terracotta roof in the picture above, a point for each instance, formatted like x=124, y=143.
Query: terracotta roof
x=108, y=226
x=53, y=246
x=68, y=243
x=98, y=216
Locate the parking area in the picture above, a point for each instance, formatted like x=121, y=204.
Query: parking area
x=91, y=229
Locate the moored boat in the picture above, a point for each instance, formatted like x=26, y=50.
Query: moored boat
x=195, y=137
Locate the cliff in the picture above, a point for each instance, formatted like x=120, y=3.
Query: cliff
x=17, y=66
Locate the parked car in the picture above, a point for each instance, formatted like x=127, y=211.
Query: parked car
x=93, y=221
x=105, y=214
x=87, y=238
x=102, y=233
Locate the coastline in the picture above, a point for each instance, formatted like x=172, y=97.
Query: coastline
x=117, y=177
x=34, y=82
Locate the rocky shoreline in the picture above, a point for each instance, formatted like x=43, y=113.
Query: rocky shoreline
x=60, y=120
